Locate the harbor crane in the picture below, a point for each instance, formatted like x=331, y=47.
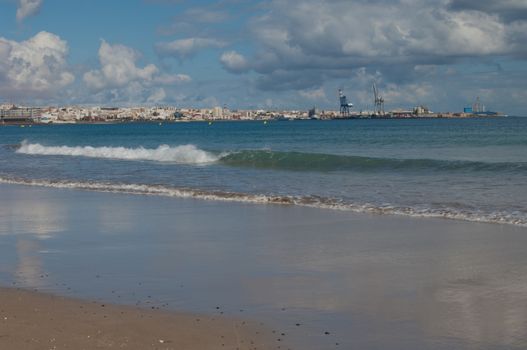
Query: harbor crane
x=345, y=106
x=378, y=101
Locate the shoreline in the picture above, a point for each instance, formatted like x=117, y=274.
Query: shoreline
x=34, y=320
x=321, y=279
x=263, y=199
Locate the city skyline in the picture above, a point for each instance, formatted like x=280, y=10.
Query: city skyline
x=264, y=54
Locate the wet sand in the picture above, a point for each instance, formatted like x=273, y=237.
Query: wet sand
x=30, y=320
x=317, y=279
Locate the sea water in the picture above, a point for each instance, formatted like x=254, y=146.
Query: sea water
x=463, y=169
x=327, y=279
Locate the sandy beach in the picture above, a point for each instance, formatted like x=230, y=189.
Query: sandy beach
x=317, y=279
x=31, y=320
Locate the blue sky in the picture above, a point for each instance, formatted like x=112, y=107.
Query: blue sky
x=291, y=54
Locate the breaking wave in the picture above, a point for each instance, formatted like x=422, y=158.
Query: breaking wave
x=186, y=154
x=273, y=160
x=497, y=217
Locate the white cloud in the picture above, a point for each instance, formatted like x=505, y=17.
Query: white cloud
x=35, y=67
x=234, y=62
x=185, y=48
x=118, y=68
x=302, y=44
x=120, y=79
x=406, y=31
x=27, y=8
x=409, y=94
x=418, y=51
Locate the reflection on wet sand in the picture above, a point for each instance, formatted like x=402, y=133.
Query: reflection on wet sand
x=448, y=284
x=461, y=311
x=38, y=216
x=28, y=271
x=480, y=313
x=370, y=281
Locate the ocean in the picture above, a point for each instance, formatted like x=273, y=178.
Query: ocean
x=264, y=222
x=462, y=169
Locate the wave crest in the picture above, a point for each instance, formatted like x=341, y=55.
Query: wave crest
x=299, y=161
x=267, y=159
x=185, y=154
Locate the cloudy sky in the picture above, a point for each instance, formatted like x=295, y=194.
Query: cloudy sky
x=265, y=53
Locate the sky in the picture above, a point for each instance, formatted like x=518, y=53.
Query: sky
x=271, y=54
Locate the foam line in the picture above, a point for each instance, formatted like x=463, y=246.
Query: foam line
x=186, y=154
x=498, y=217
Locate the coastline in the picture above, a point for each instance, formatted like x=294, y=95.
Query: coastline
x=164, y=121
x=324, y=279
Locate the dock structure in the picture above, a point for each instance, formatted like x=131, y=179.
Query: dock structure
x=378, y=101
x=345, y=106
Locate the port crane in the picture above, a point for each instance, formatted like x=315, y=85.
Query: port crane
x=345, y=106
x=378, y=101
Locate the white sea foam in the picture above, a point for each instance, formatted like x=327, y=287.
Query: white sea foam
x=185, y=154
x=498, y=217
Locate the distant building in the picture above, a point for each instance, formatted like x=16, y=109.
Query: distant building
x=19, y=114
x=421, y=110
x=478, y=107
x=312, y=114
x=5, y=106
x=217, y=113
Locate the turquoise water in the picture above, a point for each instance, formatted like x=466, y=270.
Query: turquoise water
x=474, y=169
